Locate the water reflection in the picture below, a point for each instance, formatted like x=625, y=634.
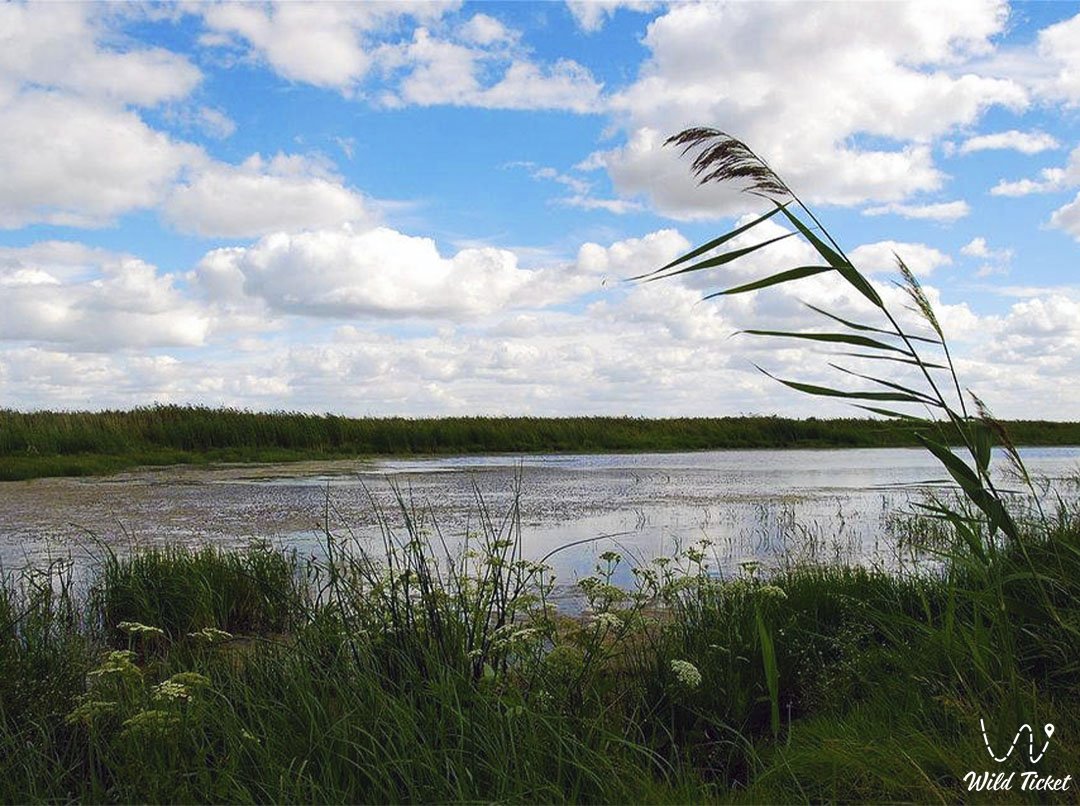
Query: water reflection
x=764, y=506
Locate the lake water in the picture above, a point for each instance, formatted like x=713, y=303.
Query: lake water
x=767, y=506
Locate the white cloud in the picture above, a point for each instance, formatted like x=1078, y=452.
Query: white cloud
x=1024, y=142
x=325, y=44
x=1050, y=180
x=652, y=349
x=262, y=196
x=89, y=299
x=591, y=15
x=1059, y=50
x=881, y=257
x=338, y=45
x=730, y=65
x=942, y=211
x=482, y=29
x=614, y=206
x=58, y=46
x=634, y=256
x=1068, y=218
x=580, y=190
x=977, y=247
x=995, y=261
x=211, y=121
x=382, y=273
x=76, y=162
x=438, y=71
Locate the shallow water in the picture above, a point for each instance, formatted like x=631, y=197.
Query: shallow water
x=768, y=506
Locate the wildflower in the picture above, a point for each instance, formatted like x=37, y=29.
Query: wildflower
x=154, y=721
x=119, y=663
x=142, y=630
x=190, y=679
x=170, y=691
x=686, y=674
x=611, y=557
x=89, y=710
x=211, y=635
x=248, y=736
x=609, y=621
x=772, y=592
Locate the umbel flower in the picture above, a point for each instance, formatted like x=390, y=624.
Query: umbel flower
x=686, y=674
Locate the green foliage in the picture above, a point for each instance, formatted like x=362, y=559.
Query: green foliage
x=431, y=677
x=34, y=444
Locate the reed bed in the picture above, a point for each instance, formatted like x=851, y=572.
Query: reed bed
x=46, y=443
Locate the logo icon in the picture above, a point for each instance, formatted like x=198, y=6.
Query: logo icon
x=1048, y=729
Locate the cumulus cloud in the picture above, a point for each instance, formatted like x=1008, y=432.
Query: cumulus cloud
x=89, y=299
x=730, y=65
x=72, y=161
x=478, y=63
x=260, y=196
x=60, y=46
x=438, y=71
x=994, y=261
x=881, y=257
x=482, y=29
x=645, y=348
x=325, y=44
x=1068, y=218
x=1059, y=50
x=382, y=273
x=72, y=149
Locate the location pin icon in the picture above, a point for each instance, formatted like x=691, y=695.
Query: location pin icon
x=1049, y=729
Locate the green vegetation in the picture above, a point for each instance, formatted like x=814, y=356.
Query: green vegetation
x=86, y=443
x=199, y=675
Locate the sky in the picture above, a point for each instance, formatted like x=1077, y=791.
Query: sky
x=433, y=208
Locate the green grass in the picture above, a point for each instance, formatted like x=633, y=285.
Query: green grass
x=44, y=443
x=411, y=675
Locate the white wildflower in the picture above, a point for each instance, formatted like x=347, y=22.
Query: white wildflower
x=686, y=674
x=143, y=630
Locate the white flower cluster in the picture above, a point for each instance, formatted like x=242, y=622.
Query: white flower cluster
x=686, y=674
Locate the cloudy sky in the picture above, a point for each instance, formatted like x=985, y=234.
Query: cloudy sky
x=431, y=208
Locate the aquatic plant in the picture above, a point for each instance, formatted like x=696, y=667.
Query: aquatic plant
x=932, y=399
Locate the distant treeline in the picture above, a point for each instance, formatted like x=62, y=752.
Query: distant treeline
x=78, y=443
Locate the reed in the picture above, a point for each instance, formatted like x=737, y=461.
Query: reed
x=45, y=443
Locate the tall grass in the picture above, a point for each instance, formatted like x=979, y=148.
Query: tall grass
x=79, y=443
x=414, y=674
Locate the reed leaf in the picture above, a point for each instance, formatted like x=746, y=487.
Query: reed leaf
x=825, y=391
x=720, y=260
x=715, y=242
x=843, y=338
x=775, y=279
x=867, y=328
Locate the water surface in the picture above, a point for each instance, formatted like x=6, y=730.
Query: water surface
x=768, y=506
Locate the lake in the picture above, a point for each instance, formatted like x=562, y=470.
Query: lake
x=761, y=506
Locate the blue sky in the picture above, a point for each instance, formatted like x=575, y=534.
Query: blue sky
x=430, y=208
